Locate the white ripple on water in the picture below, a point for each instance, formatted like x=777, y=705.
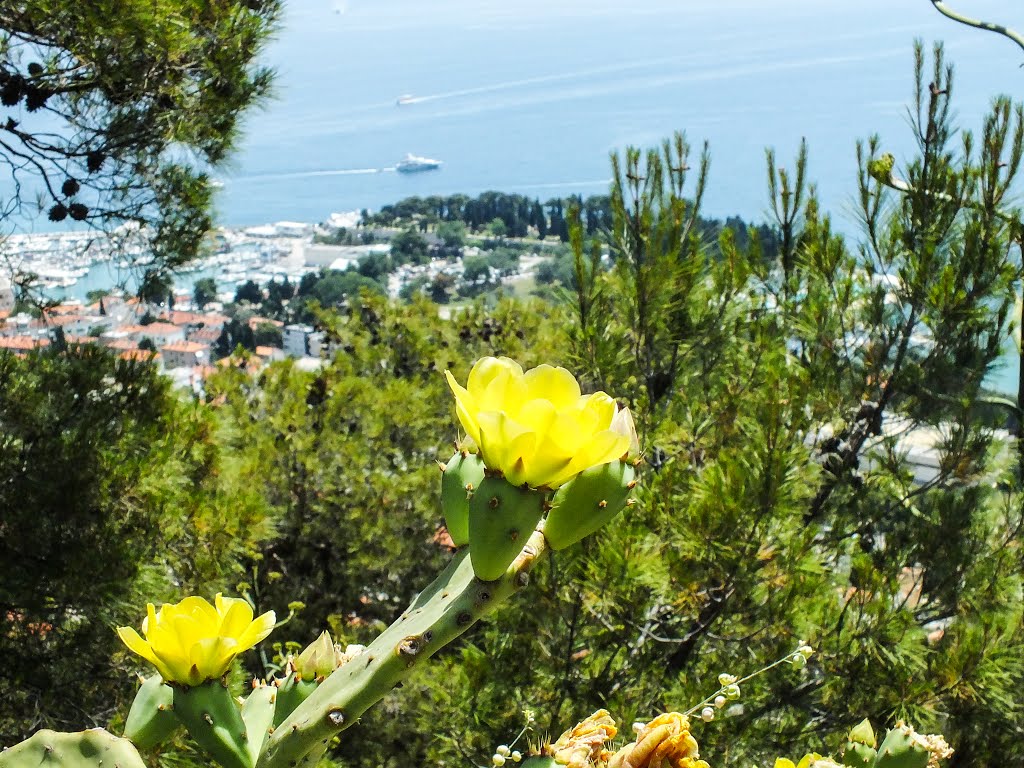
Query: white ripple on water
x=308, y=174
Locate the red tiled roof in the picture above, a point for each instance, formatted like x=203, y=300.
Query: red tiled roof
x=23, y=342
x=123, y=344
x=205, y=334
x=184, y=346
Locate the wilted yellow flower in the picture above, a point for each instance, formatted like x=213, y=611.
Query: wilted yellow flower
x=665, y=742
x=583, y=744
x=536, y=427
x=192, y=641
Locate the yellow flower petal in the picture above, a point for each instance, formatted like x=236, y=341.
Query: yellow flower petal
x=235, y=616
x=486, y=369
x=556, y=385
x=211, y=657
x=262, y=626
x=506, y=445
x=465, y=407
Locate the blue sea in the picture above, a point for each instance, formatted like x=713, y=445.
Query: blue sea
x=531, y=96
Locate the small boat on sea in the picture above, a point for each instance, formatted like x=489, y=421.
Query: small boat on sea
x=414, y=164
x=406, y=98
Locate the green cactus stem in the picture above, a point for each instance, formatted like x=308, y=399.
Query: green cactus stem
x=540, y=761
x=94, y=748
x=444, y=610
x=151, y=720
x=587, y=502
x=291, y=693
x=258, y=716
x=898, y=750
x=462, y=474
x=858, y=755
x=501, y=517
x=213, y=719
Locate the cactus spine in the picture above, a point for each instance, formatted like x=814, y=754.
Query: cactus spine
x=94, y=748
x=444, y=610
x=151, y=720
x=462, y=474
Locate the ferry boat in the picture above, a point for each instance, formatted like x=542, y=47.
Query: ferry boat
x=413, y=164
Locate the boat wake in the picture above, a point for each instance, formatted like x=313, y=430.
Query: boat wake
x=309, y=174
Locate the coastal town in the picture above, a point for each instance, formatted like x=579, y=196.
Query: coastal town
x=91, y=301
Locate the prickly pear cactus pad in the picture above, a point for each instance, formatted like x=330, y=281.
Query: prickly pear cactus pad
x=461, y=475
x=535, y=427
x=94, y=748
x=588, y=501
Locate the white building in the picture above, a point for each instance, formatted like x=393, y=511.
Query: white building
x=184, y=354
x=6, y=295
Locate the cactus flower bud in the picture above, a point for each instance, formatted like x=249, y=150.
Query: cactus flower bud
x=192, y=641
x=318, y=660
x=536, y=428
x=863, y=733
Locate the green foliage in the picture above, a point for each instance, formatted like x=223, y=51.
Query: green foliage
x=248, y=292
x=452, y=234
x=267, y=335
x=409, y=247
x=504, y=261
x=204, y=291
x=476, y=269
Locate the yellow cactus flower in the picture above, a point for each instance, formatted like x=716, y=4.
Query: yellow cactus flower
x=192, y=641
x=535, y=427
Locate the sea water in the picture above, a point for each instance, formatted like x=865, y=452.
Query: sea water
x=531, y=96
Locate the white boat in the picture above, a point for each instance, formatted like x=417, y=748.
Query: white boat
x=412, y=164
x=406, y=98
